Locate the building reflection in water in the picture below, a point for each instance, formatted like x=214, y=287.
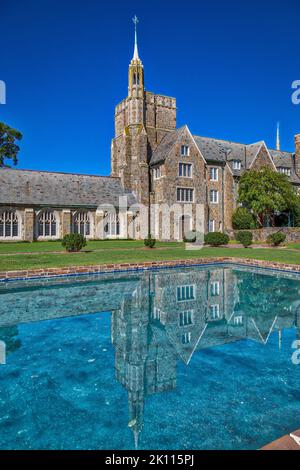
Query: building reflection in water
x=160, y=317
x=171, y=315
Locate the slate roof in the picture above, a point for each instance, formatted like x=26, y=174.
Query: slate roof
x=30, y=187
x=166, y=145
x=221, y=151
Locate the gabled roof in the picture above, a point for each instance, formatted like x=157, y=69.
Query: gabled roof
x=30, y=187
x=222, y=151
x=166, y=145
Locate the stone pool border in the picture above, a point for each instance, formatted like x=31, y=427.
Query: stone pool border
x=47, y=273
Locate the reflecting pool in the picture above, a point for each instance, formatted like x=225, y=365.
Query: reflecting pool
x=192, y=358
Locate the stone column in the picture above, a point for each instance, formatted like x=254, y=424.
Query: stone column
x=66, y=223
x=29, y=225
x=99, y=225
x=130, y=229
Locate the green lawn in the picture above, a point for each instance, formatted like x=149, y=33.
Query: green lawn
x=122, y=251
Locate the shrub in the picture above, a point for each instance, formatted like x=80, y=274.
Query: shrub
x=242, y=219
x=192, y=237
x=276, y=238
x=149, y=242
x=216, y=238
x=73, y=242
x=245, y=238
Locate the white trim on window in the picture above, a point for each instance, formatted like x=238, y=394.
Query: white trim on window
x=211, y=225
x=238, y=320
x=236, y=164
x=185, y=151
x=214, y=196
x=186, y=292
x=186, y=337
x=184, y=194
x=185, y=170
x=112, y=224
x=284, y=170
x=214, y=174
x=47, y=224
x=186, y=318
x=215, y=311
x=81, y=223
x=9, y=224
x=157, y=173
x=215, y=288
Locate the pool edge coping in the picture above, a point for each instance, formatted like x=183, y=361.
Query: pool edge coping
x=72, y=271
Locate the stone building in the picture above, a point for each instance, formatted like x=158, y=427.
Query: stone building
x=164, y=180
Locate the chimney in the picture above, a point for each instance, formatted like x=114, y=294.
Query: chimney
x=297, y=154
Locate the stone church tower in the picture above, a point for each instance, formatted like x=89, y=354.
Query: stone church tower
x=141, y=121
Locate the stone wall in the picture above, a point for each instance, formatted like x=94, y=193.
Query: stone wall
x=262, y=160
x=165, y=188
x=297, y=154
x=292, y=234
x=49, y=273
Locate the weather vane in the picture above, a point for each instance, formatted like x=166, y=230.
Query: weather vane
x=135, y=20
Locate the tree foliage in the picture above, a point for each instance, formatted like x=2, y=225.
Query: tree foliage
x=242, y=219
x=8, y=146
x=265, y=193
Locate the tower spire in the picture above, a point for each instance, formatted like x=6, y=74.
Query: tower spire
x=136, y=51
x=278, y=137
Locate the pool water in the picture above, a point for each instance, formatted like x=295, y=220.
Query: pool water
x=194, y=358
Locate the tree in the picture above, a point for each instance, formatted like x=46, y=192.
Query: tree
x=265, y=192
x=8, y=147
x=242, y=219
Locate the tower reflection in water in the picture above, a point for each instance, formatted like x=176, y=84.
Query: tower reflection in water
x=171, y=315
x=160, y=318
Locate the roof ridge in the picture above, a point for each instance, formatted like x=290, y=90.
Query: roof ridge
x=58, y=172
x=220, y=140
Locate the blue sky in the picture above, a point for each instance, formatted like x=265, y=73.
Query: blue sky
x=230, y=64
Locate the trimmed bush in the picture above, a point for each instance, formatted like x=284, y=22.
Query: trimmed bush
x=242, y=219
x=192, y=237
x=216, y=238
x=245, y=238
x=73, y=242
x=149, y=242
x=276, y=238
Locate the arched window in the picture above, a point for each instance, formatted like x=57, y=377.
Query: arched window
x=136, y=78
x=112, y=224
x=82, y=223
x=47, y=224
x=9, y=224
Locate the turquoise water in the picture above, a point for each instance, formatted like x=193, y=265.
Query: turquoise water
x=182, y=359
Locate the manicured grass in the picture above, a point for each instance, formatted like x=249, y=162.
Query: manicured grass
x=295, y=246
x=134, y=251
x=39, y=247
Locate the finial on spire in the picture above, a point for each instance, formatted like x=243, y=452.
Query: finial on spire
x=136, y=52
x=278, y=137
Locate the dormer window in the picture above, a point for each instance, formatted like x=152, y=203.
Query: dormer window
x=185, y=150
x=236, y=164
x=284, y=170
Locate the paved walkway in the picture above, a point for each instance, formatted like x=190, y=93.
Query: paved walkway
x=288, y=442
